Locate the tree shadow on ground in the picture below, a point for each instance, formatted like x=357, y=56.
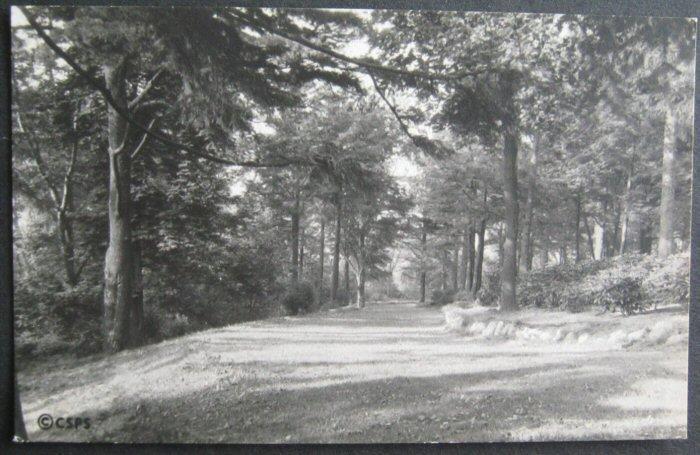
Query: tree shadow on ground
x=566, y=401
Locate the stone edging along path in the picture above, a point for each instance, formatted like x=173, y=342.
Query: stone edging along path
x=488, y=327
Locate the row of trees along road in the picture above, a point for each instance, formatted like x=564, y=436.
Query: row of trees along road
x=131, y=125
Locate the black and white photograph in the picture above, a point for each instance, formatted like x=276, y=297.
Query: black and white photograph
x=316, y=225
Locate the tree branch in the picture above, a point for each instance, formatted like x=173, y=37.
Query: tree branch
x=34, y=149
x=125, y=114
x=147, y=88
x=393, y=110
x=143, y=140
x=364, y=64
x=418, y=141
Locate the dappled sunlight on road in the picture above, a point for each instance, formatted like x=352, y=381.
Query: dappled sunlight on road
x=390, y=371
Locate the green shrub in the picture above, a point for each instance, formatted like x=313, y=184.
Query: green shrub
x=440, y=297
x=625, y=295
x=299, y=298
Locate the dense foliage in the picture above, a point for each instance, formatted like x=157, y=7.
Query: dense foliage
x=627, y=284
x=182, y=168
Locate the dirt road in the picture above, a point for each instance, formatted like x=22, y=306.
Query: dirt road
x=389, y=373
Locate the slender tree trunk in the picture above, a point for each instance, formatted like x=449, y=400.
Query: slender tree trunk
x=423, y=273
x=470, y=246
x=464, y=264
x=615, y=238
x=321, y=259
x=500, y=245
x=545, y=252
x=589, y=236
x=455, y=264
x=562, y=254
x=526, y=246
x=626, y=210
x=510, y=197
x=301, y=253
x=666, y=244
x=118, y=272
x=62, y=202
x=361, y=273
x=479, y=262
x=599, y=234
x=336, y=249
x=347, y=272
x=577, y=229
x=65, y=223
x=67, y=243
x=295, y=238
x=443, y=273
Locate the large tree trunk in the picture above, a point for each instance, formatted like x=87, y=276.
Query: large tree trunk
x=668, y=187
x=295, y=239
x=136, y=324
x=510, y=197
x=336, y=249
x=626, y=210
x=321, y=259
x=118, y=273
x=526, y=246
x=577, y=229
x=479, y=262
x=423, y=272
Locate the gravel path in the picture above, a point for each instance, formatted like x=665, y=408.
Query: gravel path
x=388, y=373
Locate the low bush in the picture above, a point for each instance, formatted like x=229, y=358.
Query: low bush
x=440, y=297
x=299, y=298
x=383, y=290
x=49, y=321
x=630, y=283
x=625, y=295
